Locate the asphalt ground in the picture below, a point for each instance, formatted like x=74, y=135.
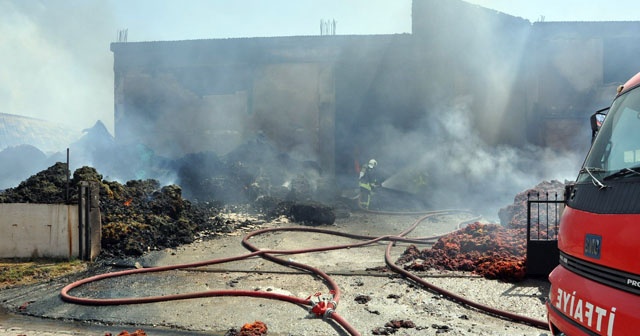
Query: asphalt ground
x=36, y=310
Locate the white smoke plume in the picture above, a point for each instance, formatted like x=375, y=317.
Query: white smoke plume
x=461, y=170
x=56, y=68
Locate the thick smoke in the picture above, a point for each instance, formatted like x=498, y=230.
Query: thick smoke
x=57, y=68
x=480, y=129
x=442, y=114
x=461, y=170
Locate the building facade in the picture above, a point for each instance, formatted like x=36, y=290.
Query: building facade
x=337, y=100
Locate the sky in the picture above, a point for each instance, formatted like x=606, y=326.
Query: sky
x=57, y=64
x=566, y=10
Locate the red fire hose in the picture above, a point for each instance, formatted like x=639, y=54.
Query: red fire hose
x=511, y=316
x=325, y=308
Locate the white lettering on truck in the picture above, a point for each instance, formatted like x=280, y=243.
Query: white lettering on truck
x=583, y=311
x=633, y=283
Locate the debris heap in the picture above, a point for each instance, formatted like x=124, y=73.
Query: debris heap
x=515, y=215
x=137, y=217
x=143, y=215
x=492, y=250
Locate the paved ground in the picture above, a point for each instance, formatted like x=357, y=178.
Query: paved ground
x=390, y=297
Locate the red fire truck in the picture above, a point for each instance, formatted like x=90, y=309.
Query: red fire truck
x=595, y=290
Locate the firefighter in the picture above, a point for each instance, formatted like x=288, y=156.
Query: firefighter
x=368, y=182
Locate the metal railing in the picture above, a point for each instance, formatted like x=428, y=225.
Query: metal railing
x=543, y=216
x=543, y=221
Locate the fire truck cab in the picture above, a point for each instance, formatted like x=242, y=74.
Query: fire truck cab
x=595, y=290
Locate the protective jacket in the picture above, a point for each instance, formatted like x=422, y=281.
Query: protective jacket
x=368, y=182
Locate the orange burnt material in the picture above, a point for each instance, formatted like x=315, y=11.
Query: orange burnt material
x=490, y=250
x=254, y=329
x=138, y=332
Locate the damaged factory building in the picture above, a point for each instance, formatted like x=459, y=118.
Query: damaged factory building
x=336, y=101
x=449, y=111
x=215, y=138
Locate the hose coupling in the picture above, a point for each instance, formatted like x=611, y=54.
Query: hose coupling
x=327, y=313
x=323, y=305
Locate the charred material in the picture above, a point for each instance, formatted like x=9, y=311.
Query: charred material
x=515, y=214
x=256, y=328
x=309, y=212
x=48, y=186
x=393, y=326
x=143, y=215
x=255, y=169
x=137, y=217
x=491, y=250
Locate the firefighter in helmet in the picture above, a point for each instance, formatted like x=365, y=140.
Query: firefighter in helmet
x=368, y=182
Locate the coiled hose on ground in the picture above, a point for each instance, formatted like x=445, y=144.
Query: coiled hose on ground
x=325, y=309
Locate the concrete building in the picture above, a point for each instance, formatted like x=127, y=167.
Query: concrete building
x=340, y=99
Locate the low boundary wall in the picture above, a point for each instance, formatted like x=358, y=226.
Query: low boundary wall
x=44, y=230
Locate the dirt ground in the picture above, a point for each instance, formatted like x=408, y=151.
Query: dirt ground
x=370, y=298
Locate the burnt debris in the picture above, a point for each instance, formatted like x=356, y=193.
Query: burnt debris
x=142, y=215
x=494, y=251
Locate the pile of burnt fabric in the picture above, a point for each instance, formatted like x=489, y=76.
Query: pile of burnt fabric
x=303, y=212
x=136, y=217
x=138, y=332
x=490, y=250
x=140, y=216
x=47, y=187
x=254, y=169
x=544, y=216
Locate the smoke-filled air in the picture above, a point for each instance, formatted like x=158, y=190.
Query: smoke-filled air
x=456, y=115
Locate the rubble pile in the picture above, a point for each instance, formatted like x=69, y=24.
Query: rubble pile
x=143, y=215
x=515, y=214
x=256, y=328
x=491, y=250
x=137, y=217
x=393, y=326
x=48, y=187
x=138, y=332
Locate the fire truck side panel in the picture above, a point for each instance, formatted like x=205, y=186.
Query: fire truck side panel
x=595, y=289
x=618, y=234
x=578, y=306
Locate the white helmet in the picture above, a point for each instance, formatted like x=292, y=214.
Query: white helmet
x=372, y=163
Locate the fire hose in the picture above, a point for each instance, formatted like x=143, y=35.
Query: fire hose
x=452, y=296
x=319, y=305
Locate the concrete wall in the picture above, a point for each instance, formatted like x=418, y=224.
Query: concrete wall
x=475, y=52
x=38, y=230
x=513, y=79
x=573, y=70
x=281, y=88
x=293, y=104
